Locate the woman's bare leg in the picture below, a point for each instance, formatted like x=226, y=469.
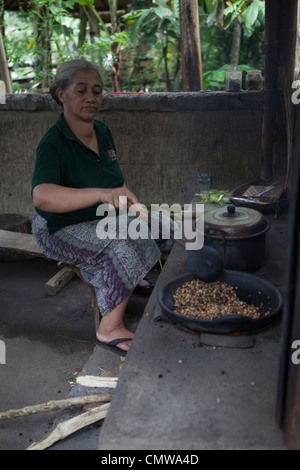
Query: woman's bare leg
x=112, y=326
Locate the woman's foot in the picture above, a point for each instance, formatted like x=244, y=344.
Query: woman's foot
x=112, y=327
x=145, y=287
x=105, y=336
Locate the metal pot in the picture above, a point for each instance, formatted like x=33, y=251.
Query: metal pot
x=238, y=234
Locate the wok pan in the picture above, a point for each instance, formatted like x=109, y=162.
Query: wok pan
x=250, y=288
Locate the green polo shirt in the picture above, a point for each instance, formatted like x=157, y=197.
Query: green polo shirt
x=64, y=160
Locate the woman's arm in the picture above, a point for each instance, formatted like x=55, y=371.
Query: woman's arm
x=60, y=199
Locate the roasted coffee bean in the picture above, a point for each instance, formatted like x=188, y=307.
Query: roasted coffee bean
x=210, y=300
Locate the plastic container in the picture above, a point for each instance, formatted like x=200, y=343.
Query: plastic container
x=203, y=182
x=233, y=79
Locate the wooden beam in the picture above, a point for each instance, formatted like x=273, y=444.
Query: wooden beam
x=19, y=242
x=190, y=46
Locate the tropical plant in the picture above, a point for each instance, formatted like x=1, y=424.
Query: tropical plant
x=156, y=31
x=37, y=37
x=232, y=32
x=140, y=51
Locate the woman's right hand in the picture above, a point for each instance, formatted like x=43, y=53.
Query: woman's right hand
x=115, y=197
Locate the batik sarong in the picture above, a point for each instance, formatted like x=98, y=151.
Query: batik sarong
x=114, y=267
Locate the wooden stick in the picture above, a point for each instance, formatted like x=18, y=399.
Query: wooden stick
x=55, y=405
x=59, y=280
x=70, y=426
x=93, y=381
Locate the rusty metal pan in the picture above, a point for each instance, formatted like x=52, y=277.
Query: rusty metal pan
x=237, y=199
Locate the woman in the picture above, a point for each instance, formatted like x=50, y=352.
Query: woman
x=76, y=170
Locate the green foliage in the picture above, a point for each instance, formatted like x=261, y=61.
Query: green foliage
x=157, y=28
x=216, y=26
x=252, y=15
x=145, y=44
x=29, y=36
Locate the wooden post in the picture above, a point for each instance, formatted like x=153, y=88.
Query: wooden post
x=297, y=47
x=288, y=36
x=280, y=42
x=272, y=28
x=288, y=389
x=190, y=46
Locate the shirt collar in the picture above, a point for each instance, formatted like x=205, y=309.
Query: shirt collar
x=64, y=128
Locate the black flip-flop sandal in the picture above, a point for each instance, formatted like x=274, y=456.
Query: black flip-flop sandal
x=145, y=290
x=112, y=345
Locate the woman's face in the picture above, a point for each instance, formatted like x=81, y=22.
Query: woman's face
x=82, y=99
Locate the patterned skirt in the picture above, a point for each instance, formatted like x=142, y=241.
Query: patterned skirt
x=114, y=267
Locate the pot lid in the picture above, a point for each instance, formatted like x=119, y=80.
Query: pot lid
x=234, y=222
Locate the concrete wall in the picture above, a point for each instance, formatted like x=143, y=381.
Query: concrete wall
x=163, y=141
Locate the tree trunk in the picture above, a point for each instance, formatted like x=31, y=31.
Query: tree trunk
x=113, y=15
x=4, y=72
x=116, y=72
x=165, y=56
x=236, y=43
x=43, y=47
x=92, y=20
x=115, y=48
x=83, y=26
x=190, y=46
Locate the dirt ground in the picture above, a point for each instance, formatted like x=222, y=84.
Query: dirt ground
x=47, y=339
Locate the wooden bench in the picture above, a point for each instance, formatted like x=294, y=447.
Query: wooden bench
x=25, y=243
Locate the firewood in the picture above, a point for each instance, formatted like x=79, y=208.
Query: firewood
x=55, y=405
x=70, y=426
x=94, y=381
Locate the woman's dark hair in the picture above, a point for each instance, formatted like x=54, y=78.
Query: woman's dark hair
x=65, y=72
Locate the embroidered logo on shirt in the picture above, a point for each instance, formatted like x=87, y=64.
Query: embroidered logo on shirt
x=112, y=154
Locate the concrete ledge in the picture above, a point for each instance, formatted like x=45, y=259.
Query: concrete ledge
x=29, y=102
x=174, y=102
x=177, y=393
x=161, y=102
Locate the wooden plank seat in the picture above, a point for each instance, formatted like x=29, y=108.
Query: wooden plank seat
x=25, y=243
